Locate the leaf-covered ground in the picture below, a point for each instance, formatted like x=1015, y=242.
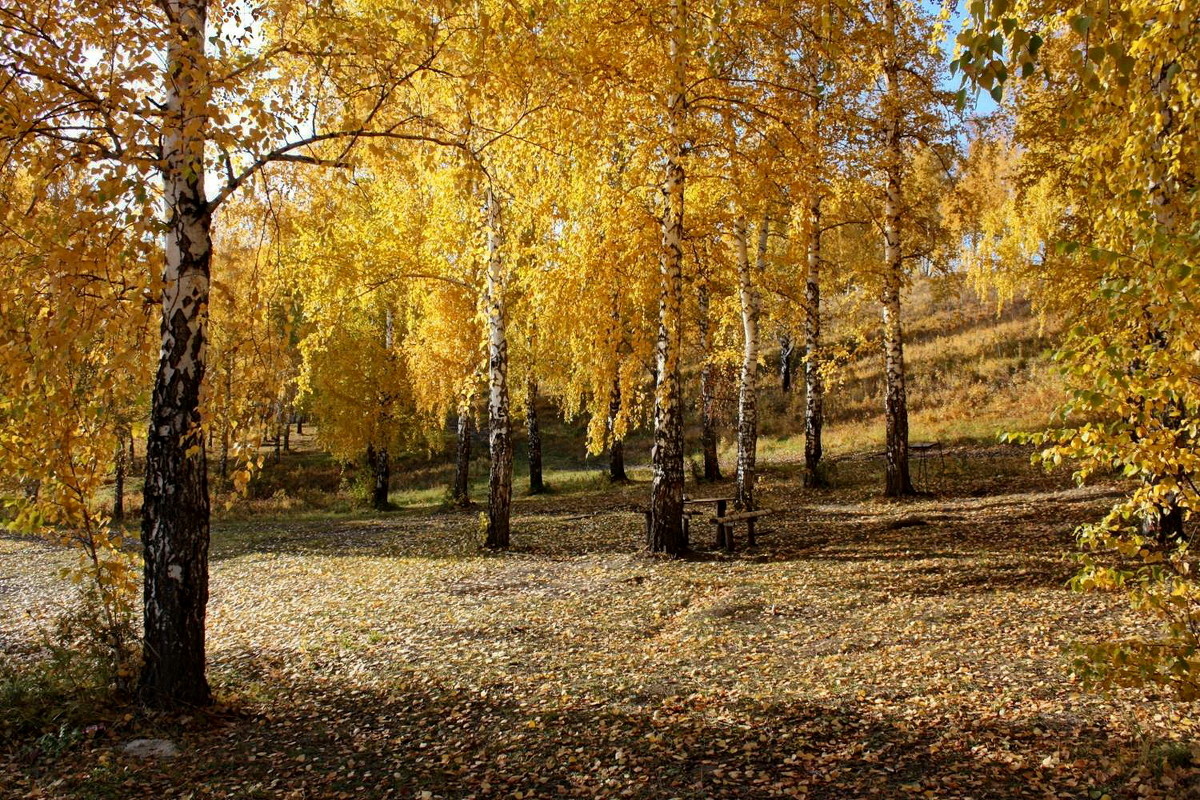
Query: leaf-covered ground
x=863, y=649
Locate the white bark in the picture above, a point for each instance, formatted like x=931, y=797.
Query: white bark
x=175, y=509
x=499, y=422
x=666, y=493
x=896, y=402
x=748, y=383
x=814, y=385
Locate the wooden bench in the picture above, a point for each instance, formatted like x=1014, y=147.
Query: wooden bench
x=921, y=453
x=725, y=523
x=693, y=507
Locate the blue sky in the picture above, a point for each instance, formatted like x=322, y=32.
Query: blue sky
x=982, y=102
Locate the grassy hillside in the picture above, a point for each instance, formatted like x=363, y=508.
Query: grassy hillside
x=973, y=373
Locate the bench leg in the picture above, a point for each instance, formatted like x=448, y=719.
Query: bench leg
x=728, y=538
x=721, y=531
x=750, y=533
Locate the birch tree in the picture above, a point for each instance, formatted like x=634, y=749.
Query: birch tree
x=177, y=95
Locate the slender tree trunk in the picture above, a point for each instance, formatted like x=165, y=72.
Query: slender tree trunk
x=499, y=428
x=175, y=509
x=287, y=432
x=120, y=467
x=748, y=384
x=381, y=477
x=300, y=425
x=616, y=447
x=708, y=415
x=787, y=350
x=814, y=385
x=278, y=432
x=899, y=483
x=1164, y=523
x=666, y=533
x=226, y=432
x=536, y=485
x=223, y=463
x=462, y=459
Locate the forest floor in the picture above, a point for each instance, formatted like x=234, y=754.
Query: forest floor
x=864, y=648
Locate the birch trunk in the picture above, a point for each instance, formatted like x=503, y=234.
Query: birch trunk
x=708, y=416
x=1165, y=523
x=499, y=428
x=175, y=509
x=616, y=447
x=899, y=483
x=278, y=431
x=787, y=349
x=814, y=385
x=223, y=461
x=536, y=484
x=120, y=467
x=748, y=383
x=462, y=460
x=665, y=533
x=381, y=477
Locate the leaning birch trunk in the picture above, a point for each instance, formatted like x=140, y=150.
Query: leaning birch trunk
x=748, y=383
x=536, y=484
x=175, y=507
x=666, y=489
x=499, y=431
x=462, y=460
x=899, y=483
x=708, y=415
x=814, y=385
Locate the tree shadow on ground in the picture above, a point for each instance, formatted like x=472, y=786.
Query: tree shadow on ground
x=322, y=740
